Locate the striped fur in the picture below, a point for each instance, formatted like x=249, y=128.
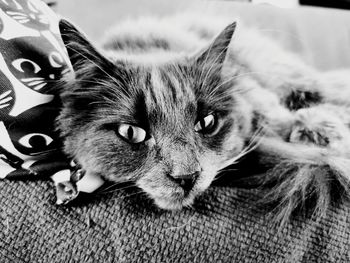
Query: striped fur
x=165, y=76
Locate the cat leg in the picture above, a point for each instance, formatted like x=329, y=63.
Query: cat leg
x=323, y=125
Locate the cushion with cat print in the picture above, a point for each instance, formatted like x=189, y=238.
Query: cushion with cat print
x=33, y=60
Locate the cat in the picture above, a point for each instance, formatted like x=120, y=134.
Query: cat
x=169, y=103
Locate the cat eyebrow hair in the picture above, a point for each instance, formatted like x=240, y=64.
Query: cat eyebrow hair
x=112, y=123
x=205, y=107
x=148, y=85
x=170, y=83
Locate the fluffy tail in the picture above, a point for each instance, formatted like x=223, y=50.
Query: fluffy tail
x=303, y=177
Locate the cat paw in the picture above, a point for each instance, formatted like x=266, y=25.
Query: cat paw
x=299, y=99
x=317, y=127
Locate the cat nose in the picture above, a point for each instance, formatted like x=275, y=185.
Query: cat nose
x=185, y=181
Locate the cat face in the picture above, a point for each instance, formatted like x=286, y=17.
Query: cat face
x=28, y=13
x=169, y=127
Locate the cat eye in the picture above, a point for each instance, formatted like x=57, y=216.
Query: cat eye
x=26, y=65
x=206, y=124
x=131, y=133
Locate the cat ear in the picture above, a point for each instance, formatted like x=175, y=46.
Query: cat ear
x=217, y=50
x=80, y=51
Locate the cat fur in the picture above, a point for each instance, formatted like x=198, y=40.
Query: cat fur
x=272, y=104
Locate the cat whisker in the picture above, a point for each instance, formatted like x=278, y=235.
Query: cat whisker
x=228, y=170
x=252, y=145
x=124, y=181
x=129, y=195
x=100, y=83
x=218, y=176
x=222, y=172
x=115, y=185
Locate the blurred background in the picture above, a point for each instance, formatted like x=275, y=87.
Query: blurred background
x=321, y=35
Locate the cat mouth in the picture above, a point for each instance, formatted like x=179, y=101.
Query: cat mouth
x=178, y=199
x=173, y=203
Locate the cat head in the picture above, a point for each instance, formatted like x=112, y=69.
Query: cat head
x=170, y=127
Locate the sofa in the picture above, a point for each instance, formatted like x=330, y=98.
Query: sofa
x=226, y=224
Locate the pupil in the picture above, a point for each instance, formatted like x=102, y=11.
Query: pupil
x=130, y=133
x=202, y=123
x=211, y=122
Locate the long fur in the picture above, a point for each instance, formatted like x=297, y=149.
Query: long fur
x=302, y=178
x=170, y=72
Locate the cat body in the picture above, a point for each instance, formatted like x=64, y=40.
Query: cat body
x=172, y=102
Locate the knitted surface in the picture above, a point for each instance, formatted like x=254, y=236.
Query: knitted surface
x=223, y=226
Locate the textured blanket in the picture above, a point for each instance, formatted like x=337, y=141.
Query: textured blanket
x=225, y=225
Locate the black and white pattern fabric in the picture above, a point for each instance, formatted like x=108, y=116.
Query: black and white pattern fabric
x=32, y=60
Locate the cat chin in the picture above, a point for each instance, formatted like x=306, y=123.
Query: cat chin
x=173, y=204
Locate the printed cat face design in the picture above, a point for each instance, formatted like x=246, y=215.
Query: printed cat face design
x=169, y=127
x=28, y=13
x=32, y=132
x=36, y=68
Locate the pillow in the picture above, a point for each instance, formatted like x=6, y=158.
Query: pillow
x=33, y=60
